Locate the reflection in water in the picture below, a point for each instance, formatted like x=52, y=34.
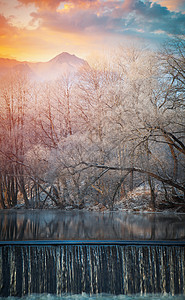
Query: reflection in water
x=79, y=225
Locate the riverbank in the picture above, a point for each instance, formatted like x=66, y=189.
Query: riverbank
x=138, y=200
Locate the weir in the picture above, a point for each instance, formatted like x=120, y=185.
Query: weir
x=72, y=254
x=93, y=269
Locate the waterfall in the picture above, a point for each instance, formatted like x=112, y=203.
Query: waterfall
x=92, y=269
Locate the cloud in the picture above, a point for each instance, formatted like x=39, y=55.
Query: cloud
x=155, y=17
x=54, y=4
x=49, y=4
x=5, y=27
x=112, y=17
x=76, y=21
x=172, y=5
x=127, y=5
x=150, y=10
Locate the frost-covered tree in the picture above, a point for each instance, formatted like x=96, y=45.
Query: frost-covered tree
x=128, y=114
x=95, y=135
x=14, y=135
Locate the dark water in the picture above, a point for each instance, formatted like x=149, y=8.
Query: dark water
x=75, y=225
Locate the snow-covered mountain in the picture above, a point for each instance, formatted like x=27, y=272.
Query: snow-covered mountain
x=63, y=63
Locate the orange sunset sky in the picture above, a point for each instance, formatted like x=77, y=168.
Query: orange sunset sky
x=36, y=30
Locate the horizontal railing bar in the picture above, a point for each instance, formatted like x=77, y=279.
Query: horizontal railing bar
x=92, y=242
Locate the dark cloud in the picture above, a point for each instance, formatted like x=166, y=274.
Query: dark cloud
x=149, y=9
x=155, y=17
x=147, y=16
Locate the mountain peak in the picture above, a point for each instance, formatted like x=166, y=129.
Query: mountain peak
x=61, y=64
x=65, y=57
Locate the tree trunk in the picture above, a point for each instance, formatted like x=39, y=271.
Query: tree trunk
x=23, y=191
x=152, y=192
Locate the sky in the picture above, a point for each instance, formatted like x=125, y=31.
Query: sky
x=38, y=30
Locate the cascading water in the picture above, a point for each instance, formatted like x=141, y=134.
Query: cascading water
x=93, y=269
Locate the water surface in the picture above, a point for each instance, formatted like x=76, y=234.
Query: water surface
x=80, y=225
x=98, y=297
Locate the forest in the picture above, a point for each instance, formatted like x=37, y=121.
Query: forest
x=94, y=136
